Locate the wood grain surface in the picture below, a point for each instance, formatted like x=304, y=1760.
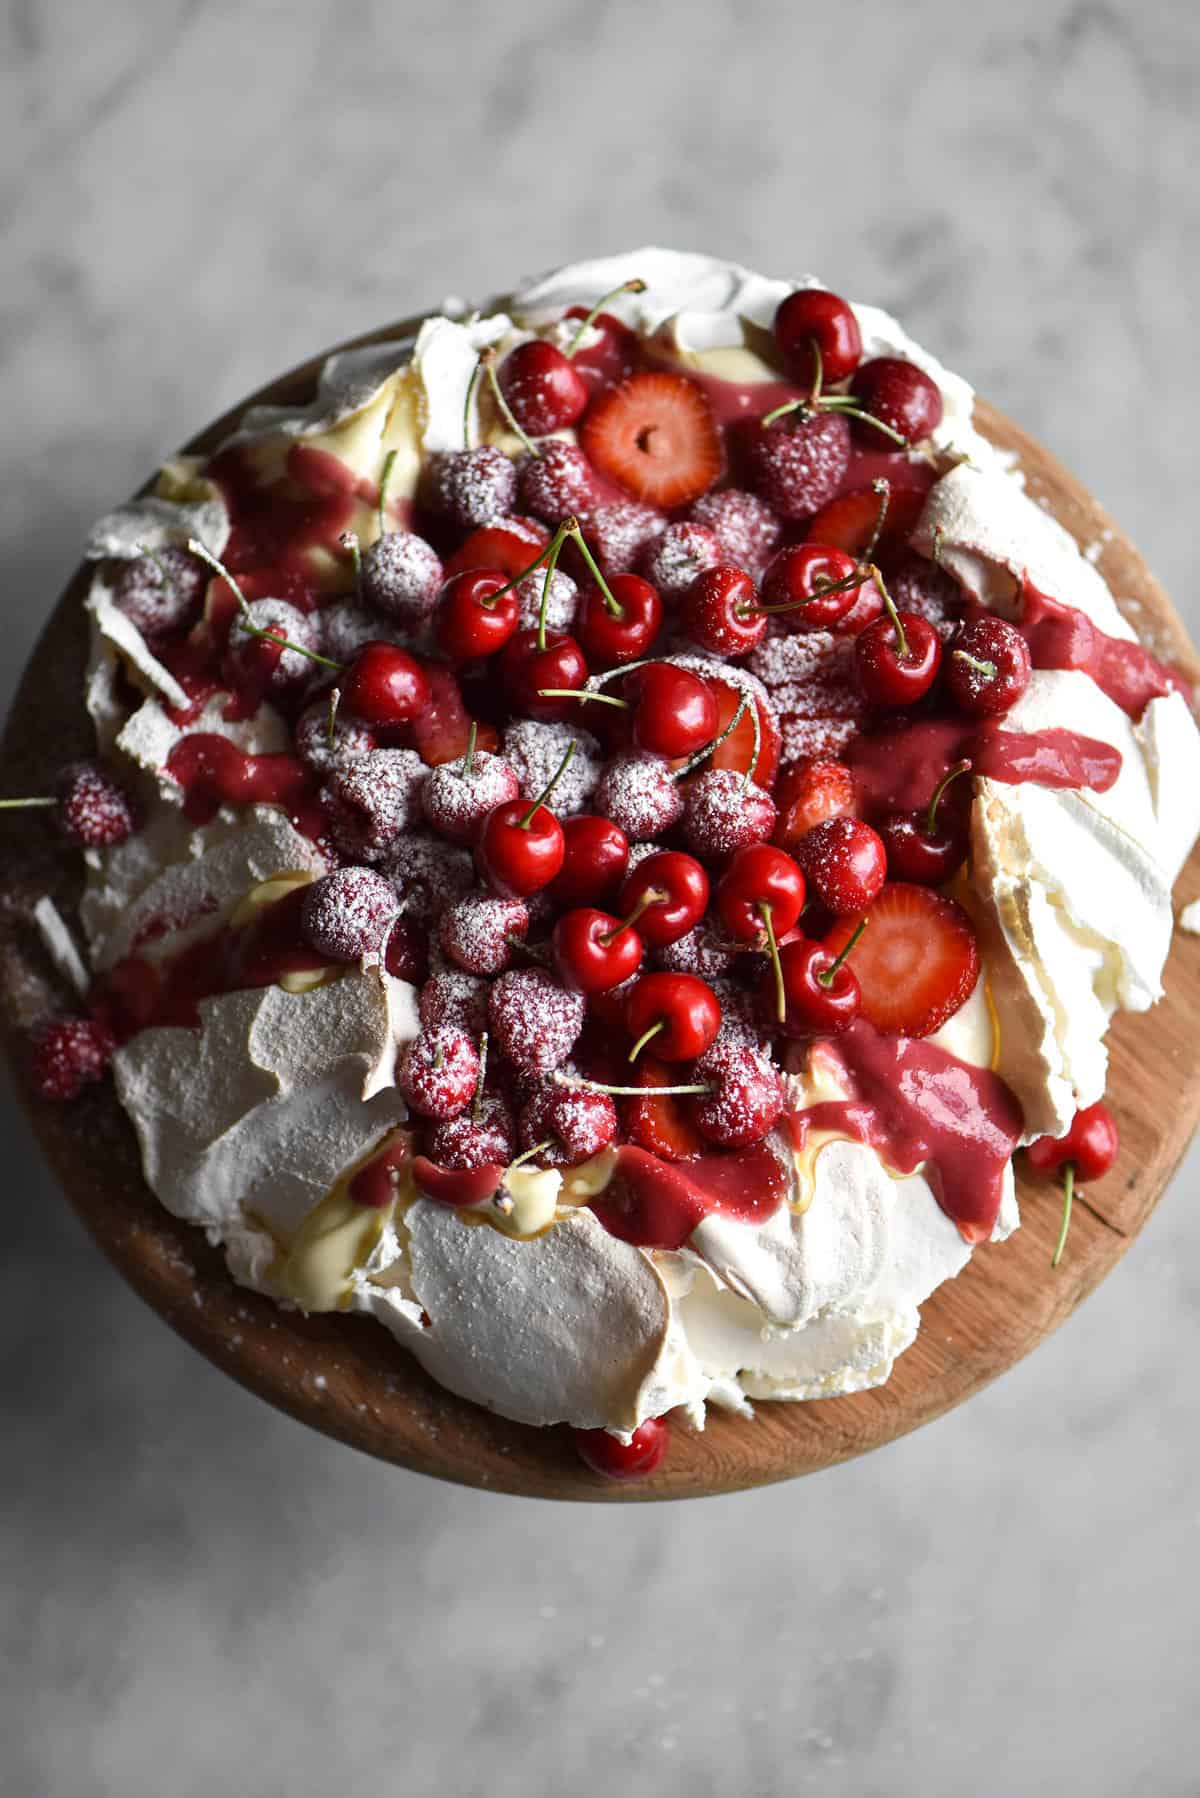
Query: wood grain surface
x=347, y=1377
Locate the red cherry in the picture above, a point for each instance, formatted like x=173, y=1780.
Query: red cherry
x=528, y=666
x=681, y=886
x=384, y=686
x=578, y=1123
x=595, y=853
x=471, y=622
x=720, y=612
x=987, y=668
x=607, y=352
x=510, y=543
x=821, y=997
x=809, y=792
x=610, y=638
x=927, y=846
x=594, y=951
x=675, y=712
x=406, y=955
x=677, y=1012
x=803, y=586
x=845, y=864
x=899, y=394
x=760, y=880
x=1090, y=1144
x=813, y=316
x=518, y=853
x=897, y=659
x=616, y=1460
x=544, y=389
x=438, y=1071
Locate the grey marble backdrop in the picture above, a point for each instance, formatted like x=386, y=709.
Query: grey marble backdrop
x=197, y=1594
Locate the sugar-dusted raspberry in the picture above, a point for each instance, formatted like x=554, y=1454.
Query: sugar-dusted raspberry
x=347, y=914
x=672, y=562
x=401, y=578
x=68, y=1055
x=798, y=463
x=561, y=606
x=747, y=1097
x=161, y=594
x=534, y=750
x=704, y=951
x=454, y=998
x=369, y=802
x=637, y=792
x=745, y=526
x=620, y=534
x=535, y=1020
x=467, y=1141
x=476, y=932
x=557, y=483
x=318, y=749
x=257, y=664
x=924, y=588
x=428, y=873
x=346, y=627
x=94, y=810
x=575, y=1122
x=782, y=659
x=725, y=812
x=437, y=1072
x=471, y=487
x=456, y=799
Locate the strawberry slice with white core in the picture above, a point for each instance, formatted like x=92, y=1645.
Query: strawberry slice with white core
x=916, y=964
x=656, y=437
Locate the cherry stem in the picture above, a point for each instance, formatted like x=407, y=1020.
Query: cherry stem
x=987, y=669
x=152, y=555
x=827, y=978
x=893, y=614
x=335, y=700
x=845, y=403
x=14, y=805
x=610, y=599
x=532, y=567
x=652, y=896
x=634, y=286
x=469, y=756
x=765, y=913
x=477, y=1096
x=584, y=693
x=1068, y=1201
x=963, y=767
x=647, y=1036
x=884, y=490
x=627, y=1092
x=701, y=755
x=542, y=797
x=471, y=385
x=539, y=1148
x=565, y=530
x=389, y=462
x=487, y=361
x=818, y=378
x=196, y=548
x=855, y=579
x=349, y=542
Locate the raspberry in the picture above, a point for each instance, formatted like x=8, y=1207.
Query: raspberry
x=317, y=750
x=467, y=1141
x=401, y=577
x=619, y=535
x=161, y=594
x=557, y=483
x=672, y=562
x=347, y=914
x=428, y=873
x=437, y=1072
x=346, y=627
x=637, y=792
x=924, y=588
x=702, y=951
x=747, y=1099
x=370, y=801
x=68, y=1055
x=725, y=813
x=454, y=998
x=799, y=462
x=534, y=1019
x=534, y=750
x=471, y=487
x=745, y=527
x=560, y=607
x=475, y=933
x=93, y=810
x=456, y=801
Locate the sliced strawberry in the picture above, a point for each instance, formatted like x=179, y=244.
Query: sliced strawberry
x=738, y=748
x=509, y=544
x=848, y=522
x=807, y=794
x=916, y=964
x=659, y=1122
x=441, y=731
x=655, y=435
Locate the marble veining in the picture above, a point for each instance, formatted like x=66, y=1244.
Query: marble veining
x=194, y=195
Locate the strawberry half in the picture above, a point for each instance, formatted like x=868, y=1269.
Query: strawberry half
x=916, y=964
x=656, y=437
x=809, y=792
x=848, y=521
x=659, y=1122
x=441, y=731
x=738, y=748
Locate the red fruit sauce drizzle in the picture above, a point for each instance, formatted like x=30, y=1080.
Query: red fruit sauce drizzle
x=913, y=1102
x=214, y=772
x=1060, y=636
x=657, y=1204
x=897, y=769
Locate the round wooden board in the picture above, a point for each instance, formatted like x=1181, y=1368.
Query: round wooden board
x=347, y=1377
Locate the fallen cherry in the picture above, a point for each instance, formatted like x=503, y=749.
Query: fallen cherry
x=813, y=320
x=1086, y=1152
x=593, y=951
x=608, y=1456
x=845, y=864
x=521, y=848
x=927, y=846
x=477, y=614
x=721, y=614
x=679, y=1014
x=671, y=890
x=987, y=668
x=384, y=686
x=821, y=994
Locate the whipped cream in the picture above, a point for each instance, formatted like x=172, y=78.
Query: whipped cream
x=251, y=1126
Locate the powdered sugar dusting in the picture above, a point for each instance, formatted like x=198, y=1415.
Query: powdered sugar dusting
x=536, y=1020
x=534, y=750
x=371, y=800
x=637, y=792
